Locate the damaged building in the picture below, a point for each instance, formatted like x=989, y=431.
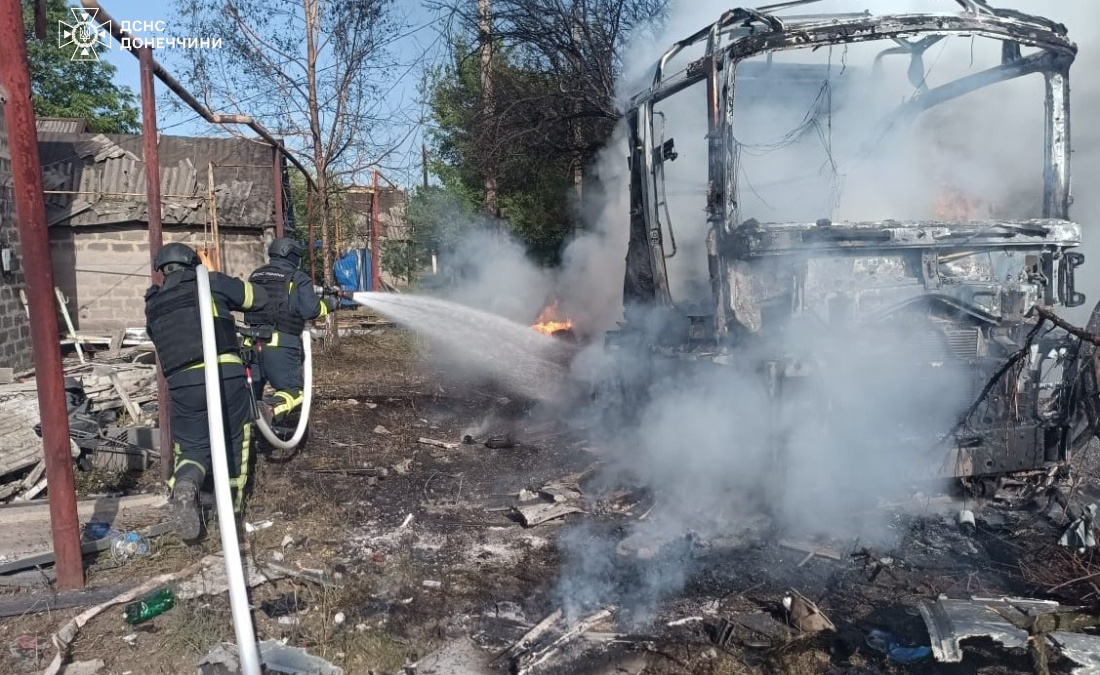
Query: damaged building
x=15, y=333
x=217, y=195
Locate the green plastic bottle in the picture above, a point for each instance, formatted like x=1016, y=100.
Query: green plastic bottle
x=154, y=604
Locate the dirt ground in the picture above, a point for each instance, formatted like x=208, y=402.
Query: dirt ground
x=425, y=553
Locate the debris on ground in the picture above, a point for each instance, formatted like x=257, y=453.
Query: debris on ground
x=526, y=660
x=439, y=444
x=1079, y=648
x=1080, y=535
x=65, y=636
x=99, y=395
x=804, y=614
x=951, y=621
x=275, y=656
x=887, y=644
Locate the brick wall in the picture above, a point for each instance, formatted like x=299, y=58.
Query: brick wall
x=104, y=271
x=15, y=333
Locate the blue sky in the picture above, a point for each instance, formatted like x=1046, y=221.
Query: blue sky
x=414, y=51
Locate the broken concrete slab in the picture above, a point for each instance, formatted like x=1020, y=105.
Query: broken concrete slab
x=951, y=621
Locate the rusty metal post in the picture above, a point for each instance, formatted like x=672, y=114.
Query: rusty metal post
x=15, y=90
x=280, y=214
x=375, y=254
x=156, y=239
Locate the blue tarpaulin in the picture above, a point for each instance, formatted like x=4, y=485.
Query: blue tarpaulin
x=352, y=271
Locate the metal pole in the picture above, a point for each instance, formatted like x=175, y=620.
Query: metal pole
x=309, y=219
x=115, y=28
x=156, y=239
x=424, y=162
x=280, y=215
x=15, y=92
x=375, y=254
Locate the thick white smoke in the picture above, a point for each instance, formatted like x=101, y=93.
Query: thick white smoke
x=699, y=441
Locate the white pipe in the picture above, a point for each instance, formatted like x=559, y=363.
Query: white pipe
x=234, y=570
x=307, y=398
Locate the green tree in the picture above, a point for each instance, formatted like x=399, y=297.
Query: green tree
x=61, y=87
x=401, y=258
x=534, y=171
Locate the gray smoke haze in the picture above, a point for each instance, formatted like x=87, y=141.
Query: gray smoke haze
x=699, y=439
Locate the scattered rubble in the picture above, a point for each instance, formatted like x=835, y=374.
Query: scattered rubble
x=804, y=614
x=275, y=656
x=99, y=395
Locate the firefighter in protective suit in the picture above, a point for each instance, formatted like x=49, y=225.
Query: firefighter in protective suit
x=275, y=330
x=172, y=320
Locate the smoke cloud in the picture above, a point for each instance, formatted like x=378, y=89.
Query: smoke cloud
x=700, y=438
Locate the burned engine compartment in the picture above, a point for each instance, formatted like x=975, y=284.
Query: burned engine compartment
x=942, y=297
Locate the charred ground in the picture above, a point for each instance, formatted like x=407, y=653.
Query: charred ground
x=343, y=504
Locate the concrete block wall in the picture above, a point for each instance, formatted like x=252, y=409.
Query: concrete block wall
x=104, y=271
x=16, y=347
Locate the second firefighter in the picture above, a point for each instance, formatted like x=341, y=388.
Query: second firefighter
x=275, y=331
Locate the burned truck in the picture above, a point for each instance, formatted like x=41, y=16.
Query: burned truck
x=812, y=192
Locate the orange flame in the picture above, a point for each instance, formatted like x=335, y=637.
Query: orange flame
x=954, y=204
x=550, y=320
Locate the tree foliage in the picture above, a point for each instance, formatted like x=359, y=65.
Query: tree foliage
x=312, y=71
x=555, y=64
x=534, y=172
x=61, y=87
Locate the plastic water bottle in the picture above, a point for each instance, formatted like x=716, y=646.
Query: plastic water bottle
x=154, y=604
x=129, y=545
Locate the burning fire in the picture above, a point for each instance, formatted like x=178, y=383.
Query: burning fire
x=954, y=204
x=551, y=321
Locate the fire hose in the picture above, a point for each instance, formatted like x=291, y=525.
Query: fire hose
x=307, y=393
x=234, y=570
x=307, y=398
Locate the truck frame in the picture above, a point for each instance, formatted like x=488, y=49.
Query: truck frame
x=956, y=291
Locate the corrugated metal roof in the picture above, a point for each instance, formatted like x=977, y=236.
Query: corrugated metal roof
x=99, y=179
x=61, y=125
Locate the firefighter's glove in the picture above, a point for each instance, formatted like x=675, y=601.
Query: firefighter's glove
x=331, y=302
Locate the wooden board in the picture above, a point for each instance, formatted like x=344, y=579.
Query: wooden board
x=26, y=525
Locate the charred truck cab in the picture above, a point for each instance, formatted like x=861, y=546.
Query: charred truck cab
x=906, y=244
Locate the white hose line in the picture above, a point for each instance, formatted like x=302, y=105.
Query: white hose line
x=234, y=569
x=307, y=398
